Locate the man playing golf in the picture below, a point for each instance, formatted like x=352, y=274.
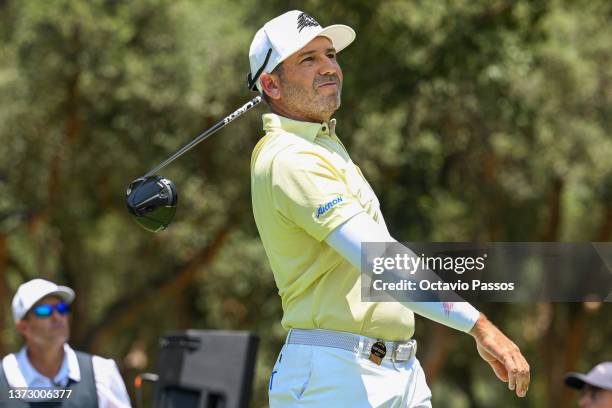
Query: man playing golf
x=313, y=209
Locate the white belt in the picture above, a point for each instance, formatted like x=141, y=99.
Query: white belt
x=396, y=350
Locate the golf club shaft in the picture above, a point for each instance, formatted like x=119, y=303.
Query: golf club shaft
x=229, y=118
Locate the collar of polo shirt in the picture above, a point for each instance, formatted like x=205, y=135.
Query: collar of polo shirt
x=307, y=130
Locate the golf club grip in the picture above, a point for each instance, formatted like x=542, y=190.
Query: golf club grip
x=228, y=119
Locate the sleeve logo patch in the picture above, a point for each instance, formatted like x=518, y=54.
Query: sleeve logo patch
x=326, y=207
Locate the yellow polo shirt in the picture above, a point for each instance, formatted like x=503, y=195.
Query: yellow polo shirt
x=303, y=186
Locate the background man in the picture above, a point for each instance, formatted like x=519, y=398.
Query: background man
x=313, y=208
x=40, y=310
x=595, y=386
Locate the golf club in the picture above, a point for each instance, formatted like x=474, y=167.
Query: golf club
x=152, y=199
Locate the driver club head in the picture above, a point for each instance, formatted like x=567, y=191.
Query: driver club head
x=152, y=201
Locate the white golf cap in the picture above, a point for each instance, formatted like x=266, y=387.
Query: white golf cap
x=32, y=291
x=600, y=376
x=286, y=34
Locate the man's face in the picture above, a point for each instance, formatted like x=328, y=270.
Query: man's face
x=592, y=397
x=310, y=83
x=47, y=331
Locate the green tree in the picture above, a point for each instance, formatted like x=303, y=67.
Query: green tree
x=472, y=121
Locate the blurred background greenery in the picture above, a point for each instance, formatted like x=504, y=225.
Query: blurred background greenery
x=472, y=120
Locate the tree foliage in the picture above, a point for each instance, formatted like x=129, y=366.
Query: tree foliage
x=472, y=121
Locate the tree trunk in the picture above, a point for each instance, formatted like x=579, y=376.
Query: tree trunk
x=437, y=350
x=560, y=349
x=605, y=232
x=5, y=296
x=553, y=226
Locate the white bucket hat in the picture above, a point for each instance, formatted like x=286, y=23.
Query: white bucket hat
x=32, y=291
x=286, y=34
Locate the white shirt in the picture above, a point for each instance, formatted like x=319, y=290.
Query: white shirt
x=110, y=387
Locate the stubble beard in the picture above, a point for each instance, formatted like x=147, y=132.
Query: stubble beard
x=309, y=102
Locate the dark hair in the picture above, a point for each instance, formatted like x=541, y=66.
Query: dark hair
x=278, y=70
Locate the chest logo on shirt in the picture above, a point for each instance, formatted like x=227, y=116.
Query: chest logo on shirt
x=328, y=206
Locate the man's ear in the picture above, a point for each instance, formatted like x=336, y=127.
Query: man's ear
x=270, y=84
x=21, y=326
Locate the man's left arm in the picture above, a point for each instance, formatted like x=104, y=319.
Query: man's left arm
x=494, y=347
x=346, y=240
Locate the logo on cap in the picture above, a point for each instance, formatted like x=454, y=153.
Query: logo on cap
x=304, y=20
